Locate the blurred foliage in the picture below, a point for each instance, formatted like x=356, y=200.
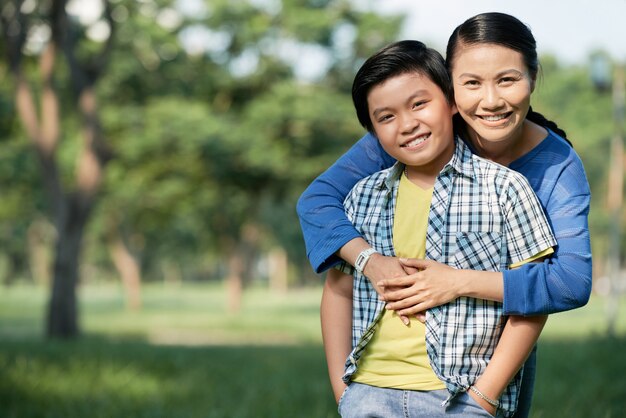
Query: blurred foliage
x=217, y=121
x=220, y=114
x=567, y=96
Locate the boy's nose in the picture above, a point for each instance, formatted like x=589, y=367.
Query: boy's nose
x=409, y=123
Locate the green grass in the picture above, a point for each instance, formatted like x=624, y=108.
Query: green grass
x=183, y=356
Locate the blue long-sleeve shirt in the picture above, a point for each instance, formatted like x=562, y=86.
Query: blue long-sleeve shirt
x=554, y=171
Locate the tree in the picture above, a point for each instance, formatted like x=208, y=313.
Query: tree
x=225, y=130
x=70, y=200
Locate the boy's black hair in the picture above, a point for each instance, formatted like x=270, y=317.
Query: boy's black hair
x=393, y=60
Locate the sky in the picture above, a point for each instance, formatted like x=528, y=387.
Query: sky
x=568, y=29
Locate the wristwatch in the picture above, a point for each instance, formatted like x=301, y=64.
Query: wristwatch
x=363, y=258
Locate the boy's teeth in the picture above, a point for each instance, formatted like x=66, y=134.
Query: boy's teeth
x=416, y=141
x=494, y=118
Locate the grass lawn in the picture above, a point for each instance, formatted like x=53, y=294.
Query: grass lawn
x=182, y=356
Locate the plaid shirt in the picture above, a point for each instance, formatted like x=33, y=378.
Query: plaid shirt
x=483, y=216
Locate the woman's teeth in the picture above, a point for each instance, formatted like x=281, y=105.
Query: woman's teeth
x=494, y=118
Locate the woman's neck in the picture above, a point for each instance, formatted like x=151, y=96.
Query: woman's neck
x=508, y=150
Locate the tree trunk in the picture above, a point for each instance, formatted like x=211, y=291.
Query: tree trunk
x=63, y=307
x=128, y=268
x=39, y=251
x=234, y=281
x=278, y=270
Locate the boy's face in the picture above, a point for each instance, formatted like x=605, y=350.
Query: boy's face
x=413, y=121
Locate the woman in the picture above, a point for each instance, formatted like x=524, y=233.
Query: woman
x=492, y=59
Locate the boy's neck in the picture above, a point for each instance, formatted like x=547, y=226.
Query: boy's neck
x=425, y=176
x=420, y=177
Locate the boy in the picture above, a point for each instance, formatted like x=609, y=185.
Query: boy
x=442, y=202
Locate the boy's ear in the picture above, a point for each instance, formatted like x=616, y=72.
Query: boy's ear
x=454, y=109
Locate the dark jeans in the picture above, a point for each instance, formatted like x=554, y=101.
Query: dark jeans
x=528, y=385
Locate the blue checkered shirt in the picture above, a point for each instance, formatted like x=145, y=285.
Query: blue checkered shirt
x=482, y=216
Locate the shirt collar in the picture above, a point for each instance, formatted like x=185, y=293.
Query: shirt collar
x=461, y=162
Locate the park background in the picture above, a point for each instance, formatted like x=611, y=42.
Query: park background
x=152, y=152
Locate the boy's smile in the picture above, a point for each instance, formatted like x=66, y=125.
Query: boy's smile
x=413, y=122
x=415, y=142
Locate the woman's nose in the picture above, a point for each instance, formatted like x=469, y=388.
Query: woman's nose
x=491, y=97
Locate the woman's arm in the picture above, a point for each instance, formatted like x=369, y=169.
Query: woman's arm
x=562, y=282
x=320, y=208
x=559, y=283
x=432, y=284
x=336, y=319
x=517, y=341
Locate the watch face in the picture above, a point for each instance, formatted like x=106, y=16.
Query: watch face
x=362, y=258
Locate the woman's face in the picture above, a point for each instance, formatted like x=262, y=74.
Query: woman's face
x=492, y=88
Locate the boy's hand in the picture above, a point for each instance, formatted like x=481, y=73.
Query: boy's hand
x=432, y=285
x=381, y=268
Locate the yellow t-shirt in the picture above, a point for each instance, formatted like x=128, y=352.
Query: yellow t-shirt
x=396, y=355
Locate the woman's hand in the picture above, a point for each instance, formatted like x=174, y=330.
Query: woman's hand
x=429, y=284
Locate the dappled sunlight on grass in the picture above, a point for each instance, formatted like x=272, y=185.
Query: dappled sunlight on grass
x=96, y=377
x=197, y=315
x=580, y=377
x=183, y=355
x=73, y=380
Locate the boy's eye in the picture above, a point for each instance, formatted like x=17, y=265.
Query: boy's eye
x=471, y=83
x=419, y=104
x=384, y=118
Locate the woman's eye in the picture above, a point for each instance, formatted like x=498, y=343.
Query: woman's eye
x=419, y=104
x=508, y=80
x=471, y=83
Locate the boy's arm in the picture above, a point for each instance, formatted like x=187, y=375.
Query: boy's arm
x=336, y=319
x=517, y=341
x=529, y=236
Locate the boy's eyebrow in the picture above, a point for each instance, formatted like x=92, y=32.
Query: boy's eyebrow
x=409, y=99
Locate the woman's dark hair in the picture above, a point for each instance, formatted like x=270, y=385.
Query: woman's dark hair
x=505, y=30
x=393, y=60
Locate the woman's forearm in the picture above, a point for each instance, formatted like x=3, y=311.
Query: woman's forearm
x=434, y=284
x=336, y=320
x=325, y=226
x=477, y=284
